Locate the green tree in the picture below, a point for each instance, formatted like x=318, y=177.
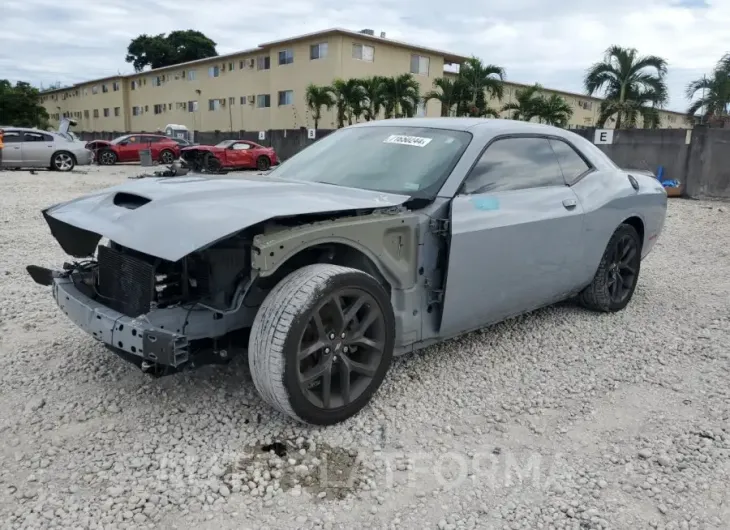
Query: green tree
x=527, y=103
x=480, y=80
x=157, y=51
x=20, y=105
x=400, y=96
x=349, y=97
x=713, y=92
x=554, y=110
x=374, y=90
x=318, y=97
x=451, y=91
x=627, y=82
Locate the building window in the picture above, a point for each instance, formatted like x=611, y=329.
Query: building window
x=230, y=67
x=96, y=113
x=104, y=89
x=286, y=57
x=115, y=86
x=318, y=51
x=158, y=108
x=106, y=113
x=192, y=106
x=191, y=75
x=263, y=101
x=86, y=114
x=95, y=89
x=363, y=52
x=116, y=111
x=587, y=105
x=134, y=85
x=286, y=97
x=263, y=62
x=136, y=111
x=158, y=81
x=214, y=71
x=214, y=104
x=146, y=108
x=420, y=64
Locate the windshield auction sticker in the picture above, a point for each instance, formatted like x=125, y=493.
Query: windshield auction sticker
x=415, y=141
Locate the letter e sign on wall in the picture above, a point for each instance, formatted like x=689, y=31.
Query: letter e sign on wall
x=603, y=136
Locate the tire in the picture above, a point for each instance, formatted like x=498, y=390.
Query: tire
x=598, y=295
x=167, y=157
x=285, y=317
x=107, y=157
x=63, y=161
x=211, y=164
x=263, y=163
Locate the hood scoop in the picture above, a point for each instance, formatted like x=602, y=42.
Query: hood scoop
x=130, y=201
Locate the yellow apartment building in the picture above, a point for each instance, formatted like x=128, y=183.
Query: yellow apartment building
x=264, y=88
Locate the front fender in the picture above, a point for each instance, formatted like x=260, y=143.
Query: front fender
x=390, y=241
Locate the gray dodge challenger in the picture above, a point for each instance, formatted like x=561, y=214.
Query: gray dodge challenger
x=377, y=240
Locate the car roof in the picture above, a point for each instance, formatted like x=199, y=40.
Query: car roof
x=493, y=126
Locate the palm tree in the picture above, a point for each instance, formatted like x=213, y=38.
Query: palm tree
x=400, y=96
x=714, y=92
x=349, y=97
x=373, y=87
x=480, y=80
x=527, y=104
x=554, y=110
x=624, y=77
x=318, y=97
x=450, y=93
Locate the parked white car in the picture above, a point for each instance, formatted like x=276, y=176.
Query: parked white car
x=26, y=147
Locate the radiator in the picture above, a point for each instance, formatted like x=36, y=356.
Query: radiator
x=126, y=283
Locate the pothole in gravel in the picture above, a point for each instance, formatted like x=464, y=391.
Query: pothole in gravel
x=298, y=468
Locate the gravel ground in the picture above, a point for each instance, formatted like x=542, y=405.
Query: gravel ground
x=560, y=419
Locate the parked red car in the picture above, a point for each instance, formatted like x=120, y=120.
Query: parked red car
x=229, y=154
x=126, y=149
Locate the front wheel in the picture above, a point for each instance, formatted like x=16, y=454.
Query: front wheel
x=167, y=157
x=321, y=343
x=107, y=157
x=63, y=162
x=618, y=273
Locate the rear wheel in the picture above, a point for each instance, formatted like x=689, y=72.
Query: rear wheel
x=263, y=163
x=107, y=157
x=321, y=343
x=618, y=273
x=63, y=161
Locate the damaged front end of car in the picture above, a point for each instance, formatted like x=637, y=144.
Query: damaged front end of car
x=161, y=315
x=202, y=161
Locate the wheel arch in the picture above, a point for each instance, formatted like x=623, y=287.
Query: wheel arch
x=638, y=224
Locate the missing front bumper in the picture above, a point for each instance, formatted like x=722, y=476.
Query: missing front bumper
x=134, y=336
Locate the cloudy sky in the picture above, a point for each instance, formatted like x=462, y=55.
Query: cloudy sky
x=547, y=41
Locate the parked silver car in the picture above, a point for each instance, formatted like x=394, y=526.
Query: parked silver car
x=26, y=147
x=377, y=240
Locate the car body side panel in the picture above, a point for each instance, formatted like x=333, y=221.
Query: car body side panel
x=510, y=252
x=608, y=199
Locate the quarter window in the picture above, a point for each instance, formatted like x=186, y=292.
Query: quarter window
x=515, y=164
x=571, y=163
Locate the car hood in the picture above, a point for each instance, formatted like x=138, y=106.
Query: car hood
x=171, y=217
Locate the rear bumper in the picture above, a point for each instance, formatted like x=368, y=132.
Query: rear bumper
x=133, y=336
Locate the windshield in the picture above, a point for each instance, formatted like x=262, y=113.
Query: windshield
x=118, y=140
x=407, y=160
x=225, y=143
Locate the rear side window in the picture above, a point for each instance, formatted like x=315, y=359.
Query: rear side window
x=570, y=161
x=12, y=137
x=515, y=164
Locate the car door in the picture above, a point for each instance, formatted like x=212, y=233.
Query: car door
x=240, y=154
x=154, y=144
x=128, y=149
x=516, y=236
x=12, y=152
x=36, y=149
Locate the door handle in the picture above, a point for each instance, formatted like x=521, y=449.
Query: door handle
x=570, y=204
